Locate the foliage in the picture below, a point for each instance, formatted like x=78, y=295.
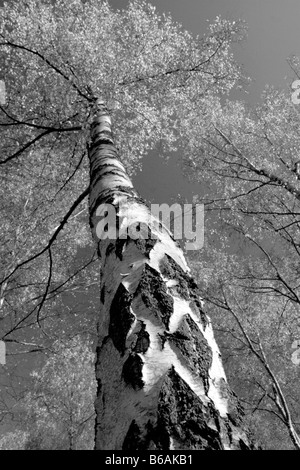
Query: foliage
x=252, y=271
x=15, y=440
x=58, y=412
x=59, y=57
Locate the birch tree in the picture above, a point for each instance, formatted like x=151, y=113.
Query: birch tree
x=161, y=384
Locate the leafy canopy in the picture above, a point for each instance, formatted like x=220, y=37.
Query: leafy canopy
x=57, y=58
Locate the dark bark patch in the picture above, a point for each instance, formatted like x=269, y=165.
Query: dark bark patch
x=102, y=295
x=133, y=440
x=143, y=340
x=99, y=403
x=182, y=414
x=108, y=149
x=186, y=286
x=100, y=174
x=147, y=244
x=157, y=437
x=193, y=347
x=98, y=250
x=99, y=349
x=110, y=249
x=199, y=310
x=120, y=244
x=132, y=371
x=144, y=242
x=105, y=138
x=170, y=269
x=243, y=445
x=154, y=437
x=121, y=318
x=154, y=294
x=128, y=191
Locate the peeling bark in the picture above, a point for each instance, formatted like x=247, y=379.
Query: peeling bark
x=161, y=383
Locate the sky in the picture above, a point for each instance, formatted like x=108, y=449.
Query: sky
x=273, y=35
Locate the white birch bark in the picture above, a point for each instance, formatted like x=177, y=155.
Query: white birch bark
x=161, y=383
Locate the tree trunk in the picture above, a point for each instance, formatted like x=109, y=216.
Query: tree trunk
x=161, y=383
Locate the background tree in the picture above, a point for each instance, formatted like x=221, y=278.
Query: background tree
x=13, y=440
x=252, y=265
x=58, y=411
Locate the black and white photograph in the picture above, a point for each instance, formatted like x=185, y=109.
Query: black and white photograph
x=149, y=228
